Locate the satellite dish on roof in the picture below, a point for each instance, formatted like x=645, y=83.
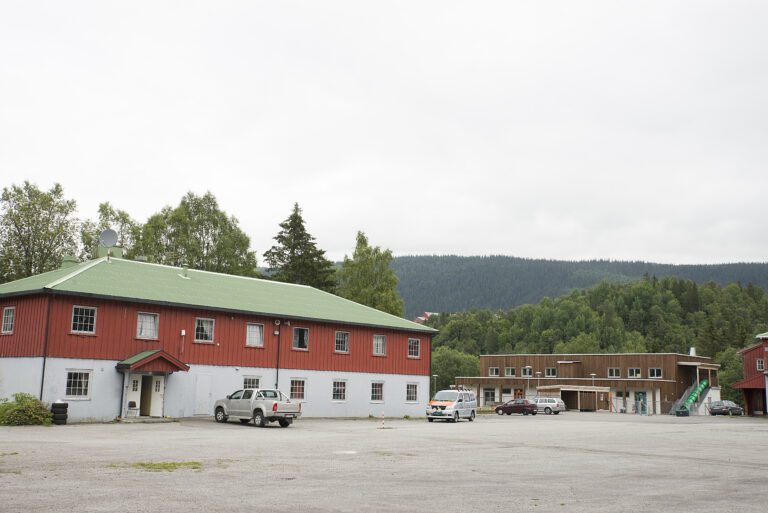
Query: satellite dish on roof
x=108, y=238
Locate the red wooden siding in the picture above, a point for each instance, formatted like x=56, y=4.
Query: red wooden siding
x=750, y=357
x=115, y=339
x=28, y=326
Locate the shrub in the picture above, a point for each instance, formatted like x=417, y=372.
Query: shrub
x=24, y=410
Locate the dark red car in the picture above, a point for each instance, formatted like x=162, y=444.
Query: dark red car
x=524, y=406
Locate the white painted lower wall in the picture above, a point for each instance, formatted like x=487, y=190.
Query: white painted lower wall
x=186, y=394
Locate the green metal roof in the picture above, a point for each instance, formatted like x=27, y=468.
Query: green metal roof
x=138, y=357
x=144, y=282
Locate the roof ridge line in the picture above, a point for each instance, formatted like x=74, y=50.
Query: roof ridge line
x=74, y=273
x=372, y=308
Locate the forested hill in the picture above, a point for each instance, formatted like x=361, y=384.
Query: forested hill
x=455, y=283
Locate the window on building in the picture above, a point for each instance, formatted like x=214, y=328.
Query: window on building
x=146, y=325
x=83, y=319
x=9, y=315
x=760, y=364
x=377, y=391
x=340, y=390
x=614, y=372
x=509, y=371
x=251, y=381
x=78, y=382
x=135, y=385
x=297, y=388
x=301, y=339
x=411, y=392
x=619, y=394
x=493, y=371
x=204, y=330
x=157, y=385
x=379, y=345
x=550, y=372
x=414, y=348
x=254, y=335
x=654, y=372
x=634, y=372
x=342, y=342
x=527, y=372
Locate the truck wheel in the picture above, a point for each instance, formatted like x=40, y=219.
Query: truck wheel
x=456, y=417
x=284, y=422
x=548, y=410
x=472, y=416
x=220, y=415
x=258, y=418
x=430, y=419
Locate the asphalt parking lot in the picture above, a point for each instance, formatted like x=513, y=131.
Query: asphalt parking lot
x=573, y=462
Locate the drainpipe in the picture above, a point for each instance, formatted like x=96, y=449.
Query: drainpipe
x=277, y=361
x=45, y=345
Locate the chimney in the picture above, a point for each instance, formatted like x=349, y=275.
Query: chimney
x=692, y=351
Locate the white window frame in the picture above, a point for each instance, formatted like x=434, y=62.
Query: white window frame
x=760, y=364
x=134, y=385
x=527, y=372
x=139, y=324
x=342, y=388
x=213, y=330
x=89, y=386
x=637, y=371
x=257, y=378
x=303, y=382
x=344, y=338
x=652, y=371
x=379, y=345
x=6, y=330
x=295, y=340
x=493, y=371
x=414, y=343
x=612, y=374
x=382, y=391
x=415, y=392
x=248, y=342
x=510, y=372
x=72, y=320
x=550, y=372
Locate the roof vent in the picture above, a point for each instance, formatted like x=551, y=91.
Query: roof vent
x=692, y=351
x=68, y=261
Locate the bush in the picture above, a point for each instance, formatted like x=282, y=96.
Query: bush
x=25, y=410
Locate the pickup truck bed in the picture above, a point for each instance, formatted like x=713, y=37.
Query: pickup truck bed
x=260, y=405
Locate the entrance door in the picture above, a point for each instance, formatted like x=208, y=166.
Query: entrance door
x=519, y=393
x=203, y=403
x=641, y=403
x=158, y=392
x=489, y=395
x=146, y=396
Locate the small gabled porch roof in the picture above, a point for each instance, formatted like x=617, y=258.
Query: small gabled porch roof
x=155, y=360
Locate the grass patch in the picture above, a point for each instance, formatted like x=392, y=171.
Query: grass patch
x=167, y=466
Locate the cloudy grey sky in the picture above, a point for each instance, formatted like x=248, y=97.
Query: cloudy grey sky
x=567, y=130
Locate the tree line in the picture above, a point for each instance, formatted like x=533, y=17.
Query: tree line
x=38, y=228
x=649, y=315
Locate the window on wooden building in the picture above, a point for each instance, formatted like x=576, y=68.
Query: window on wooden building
x=340, y=390
x=9, y=316
x=377, y=391
x=301, y=339
x=493, y=371
x=251, y=381
x=297, y=388
x=83, y=319
x=78, y=384
x=527, y=372
x=760, y=364
x=379, y=345
x=509, y=371
x=550, y=372
x=204, y=329
x=414, y=348
x=342, y=342
x=634, y=372
x=411, y=392
x=254, y=335
x=614, y=372
x=146, y=325
x=654, y=372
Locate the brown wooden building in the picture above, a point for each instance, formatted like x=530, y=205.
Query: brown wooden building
x=753, y=386
x=628, y=382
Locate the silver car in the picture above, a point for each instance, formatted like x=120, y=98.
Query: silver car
x=550, y=405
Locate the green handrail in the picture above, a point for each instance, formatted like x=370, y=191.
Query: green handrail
x=695, y=394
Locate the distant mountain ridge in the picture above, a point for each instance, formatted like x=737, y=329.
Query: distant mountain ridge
x=456, y=283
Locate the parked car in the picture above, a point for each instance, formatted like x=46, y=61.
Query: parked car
x=524, y=406
x=725, y=408
x=452, y=405
x=550, y=405
x=261, y=406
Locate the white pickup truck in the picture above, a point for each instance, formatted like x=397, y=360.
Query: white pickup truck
x=259, y=405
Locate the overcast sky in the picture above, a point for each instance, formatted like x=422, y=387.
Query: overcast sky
x=562, y=130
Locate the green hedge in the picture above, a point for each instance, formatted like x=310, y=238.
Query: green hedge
x=24, y=410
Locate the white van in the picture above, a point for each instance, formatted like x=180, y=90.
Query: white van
x=452, y=405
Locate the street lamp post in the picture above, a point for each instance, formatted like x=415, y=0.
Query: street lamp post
x=593, y=387
x=528, y=374
x=434, y=383
x=593, y=377
x=538, y=381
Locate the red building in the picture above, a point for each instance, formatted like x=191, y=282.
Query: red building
x=753, y=386
x=116, y=338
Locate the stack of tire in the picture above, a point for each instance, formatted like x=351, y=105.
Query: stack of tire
x=59, y=411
